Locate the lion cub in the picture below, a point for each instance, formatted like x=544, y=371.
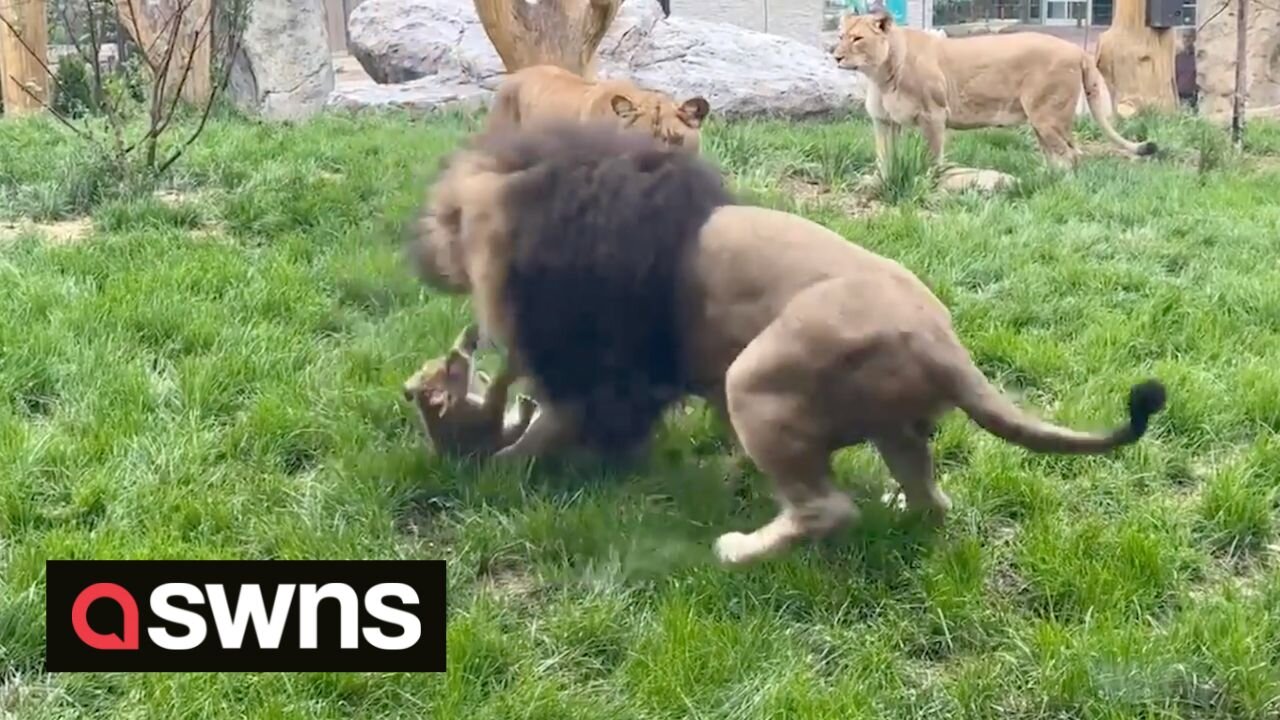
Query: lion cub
x=463, y=416
x=548, y=92
x=940, y=83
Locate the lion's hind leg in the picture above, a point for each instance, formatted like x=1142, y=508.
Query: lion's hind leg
x=1052, y=117
x=907, y=455
x=780, y=426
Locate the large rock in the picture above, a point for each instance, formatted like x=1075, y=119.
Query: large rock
x=284, y=70
x=435, y=54
x=1216, y=52
x=401, y=40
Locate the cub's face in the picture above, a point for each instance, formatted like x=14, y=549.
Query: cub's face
x=864, y=41
x=678, y=126
x=440, y=385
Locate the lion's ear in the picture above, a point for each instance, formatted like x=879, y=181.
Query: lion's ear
x=881, y=19
x=623, y=106
x=694, y=110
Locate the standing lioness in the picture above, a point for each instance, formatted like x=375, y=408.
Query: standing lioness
x=546, y=92
x=962, y=83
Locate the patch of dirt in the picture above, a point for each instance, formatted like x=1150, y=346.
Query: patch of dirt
x=851, y=203
x=174, y=197
x=57, y=232
x=1004, y=578
x=1241, y=573
x=507, y=579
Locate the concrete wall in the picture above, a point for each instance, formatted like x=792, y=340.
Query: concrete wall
x=797, y=19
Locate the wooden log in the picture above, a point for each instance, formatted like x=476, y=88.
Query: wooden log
x=1138, y=61
x=565, y=33
x=24, y=56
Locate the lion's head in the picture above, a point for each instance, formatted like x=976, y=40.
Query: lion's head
x=676, y=125
x=459, y=202
x=864, y=41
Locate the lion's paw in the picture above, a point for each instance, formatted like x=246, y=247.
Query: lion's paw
x=735, y=548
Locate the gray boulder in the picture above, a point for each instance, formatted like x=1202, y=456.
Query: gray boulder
x=435, y=54
x=284, y=70
x=401, y=40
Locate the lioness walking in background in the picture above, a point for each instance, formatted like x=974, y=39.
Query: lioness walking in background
x=936, y=83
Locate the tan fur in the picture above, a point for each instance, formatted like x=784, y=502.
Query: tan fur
x=547, y=92
x=461, y=414
x=937, y=83
x=807, y=344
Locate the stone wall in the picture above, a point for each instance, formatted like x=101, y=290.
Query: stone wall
x=795, y=19
x=1216, y=59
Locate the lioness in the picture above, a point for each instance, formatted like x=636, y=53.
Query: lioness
x=543, y=92
x=462, y=415
x=937, y=83
x=621, y=275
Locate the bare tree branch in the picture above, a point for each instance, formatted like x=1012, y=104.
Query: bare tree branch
x=71, y=32
x=57, y=115
x=186, y=71
x=234, y=33
x=1221, y=9
x=97, y=51
x=137, y=33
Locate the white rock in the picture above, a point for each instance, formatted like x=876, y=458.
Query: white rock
x=284, y=70
x=441, y=47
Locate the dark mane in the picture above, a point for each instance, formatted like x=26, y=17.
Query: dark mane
x=602, y=221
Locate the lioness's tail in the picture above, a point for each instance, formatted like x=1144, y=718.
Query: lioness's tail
x=991, y=409
x=1099, y=98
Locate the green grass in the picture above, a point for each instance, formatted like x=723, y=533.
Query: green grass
x=217, y=376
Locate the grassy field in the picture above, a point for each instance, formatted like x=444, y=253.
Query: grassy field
x=214, y=373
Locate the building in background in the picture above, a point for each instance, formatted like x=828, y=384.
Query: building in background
x=1077, y=13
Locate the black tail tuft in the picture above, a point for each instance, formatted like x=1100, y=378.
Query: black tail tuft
x=1147, y=148
x=1145, y=399
x=666, y=7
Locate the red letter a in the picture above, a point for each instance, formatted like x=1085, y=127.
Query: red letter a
x=109, y=641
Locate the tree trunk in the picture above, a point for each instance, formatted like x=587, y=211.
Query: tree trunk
x=19, y=67
x=1138, y=61
x=150, y=23
x=550, y=32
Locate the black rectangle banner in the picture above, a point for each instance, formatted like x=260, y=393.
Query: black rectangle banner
x=245, y=615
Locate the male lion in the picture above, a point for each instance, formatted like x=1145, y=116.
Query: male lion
x=938, y=83
x=620, y=275
x=547, y=92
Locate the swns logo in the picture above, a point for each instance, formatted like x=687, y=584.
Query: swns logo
x=245, y=616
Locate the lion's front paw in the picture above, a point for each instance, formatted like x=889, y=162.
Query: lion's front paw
x=735, y=548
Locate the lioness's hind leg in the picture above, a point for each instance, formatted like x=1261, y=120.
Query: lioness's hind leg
x=1058, y=150
x=1052, y=118
x=776, y=429
x=907, y=455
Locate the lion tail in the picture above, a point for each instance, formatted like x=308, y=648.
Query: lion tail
x=991, y=409
x=1099, y=98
